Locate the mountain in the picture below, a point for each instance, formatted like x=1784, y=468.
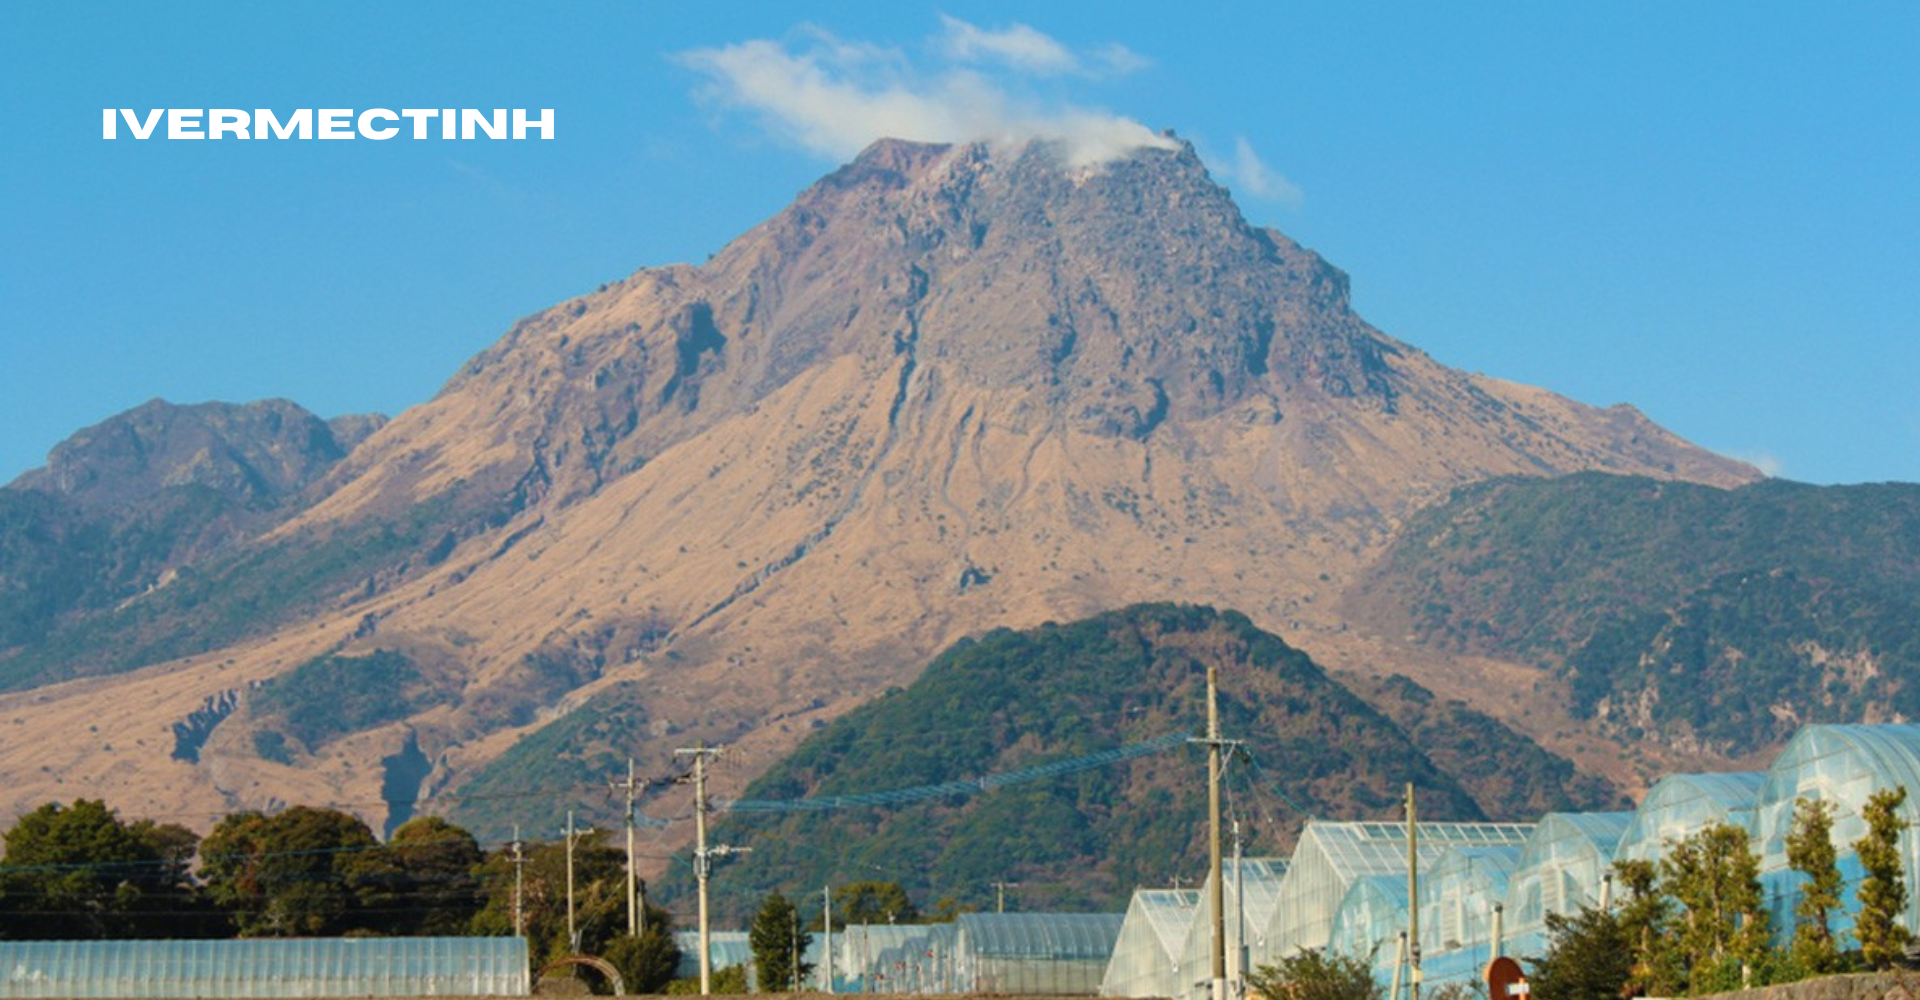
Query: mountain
x=123, y=507
x=1698, y=617
x=1013, y=702
x=948, y=389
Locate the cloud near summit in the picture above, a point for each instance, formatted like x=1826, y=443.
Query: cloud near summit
x=833, y=97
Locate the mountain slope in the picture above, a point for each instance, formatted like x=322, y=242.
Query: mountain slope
x=948, y=389
x=1015, y=700
x=124, y=507
x=1704, y=618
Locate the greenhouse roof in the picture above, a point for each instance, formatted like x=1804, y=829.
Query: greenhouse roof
x=1498, y=860
x=1168, y=911
x=1556, y=832
x=1890, y=752
x=283, y=967
x=1682, y=804
x=1040, y=935
x=1356, y=849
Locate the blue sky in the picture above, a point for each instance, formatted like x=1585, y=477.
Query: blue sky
x=1710, y=210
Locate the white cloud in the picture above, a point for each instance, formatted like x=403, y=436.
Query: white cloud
x=1019, y=46
x=1249, y=175
x=835, y=97
x=1768, y=463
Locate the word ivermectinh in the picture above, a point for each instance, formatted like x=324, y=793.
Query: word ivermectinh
x=326, y=123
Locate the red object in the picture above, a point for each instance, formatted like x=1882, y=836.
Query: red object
x=1505, y=981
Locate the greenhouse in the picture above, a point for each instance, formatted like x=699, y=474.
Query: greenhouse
x=726, y=949
x=894, y=958
x=1146, y=956
x=1681, y=805
x=1332, y=856
x=1844, y=765
x=1560, y=871
x=1458, y=895
x=1261, y=879
x=298, y=967
x=1371, y=919
x=1040, y=953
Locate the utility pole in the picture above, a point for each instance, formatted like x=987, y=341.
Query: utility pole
x=1413, y=900
x=826, y=925
x=519, y=864
x=1000, y=895
x=1216, y=903
x=1240, y=915
x=1216, y=899
x=702, y=854
x=573, y=935
x=636, y=911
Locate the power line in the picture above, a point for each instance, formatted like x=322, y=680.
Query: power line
x=1038, y=772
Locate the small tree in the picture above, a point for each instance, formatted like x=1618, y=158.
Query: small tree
x=1715, y=878
x=728, y=980
x=1883, y=892
x=873, y=903
x=647, y=961
x=778, y=942
x=1644, y=917
x=1589, y=957
x=1316, y=975
x=1810, y=852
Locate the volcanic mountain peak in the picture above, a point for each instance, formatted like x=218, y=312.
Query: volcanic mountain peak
x=1113, y=297
x=950, y=388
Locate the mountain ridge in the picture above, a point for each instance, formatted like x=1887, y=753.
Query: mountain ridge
x=949, y=389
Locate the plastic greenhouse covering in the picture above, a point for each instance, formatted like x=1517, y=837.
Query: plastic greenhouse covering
x=1371, y=919
x=1457, y=897
x=895, y=958
x=1049, y=953
x=1146, y=956
x=298, y=967
x=726, y=948
x=1844, y=765
x=1680, y=805
x=1262, y=878
x=1330, y=857
x=1560, y=871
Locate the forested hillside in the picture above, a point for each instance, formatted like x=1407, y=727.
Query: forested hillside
x=1717, y=618
x=1018, y=700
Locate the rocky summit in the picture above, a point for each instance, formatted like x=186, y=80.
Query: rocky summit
x=948, y=389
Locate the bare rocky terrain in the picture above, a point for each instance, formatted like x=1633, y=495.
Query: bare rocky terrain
x=948, y=389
